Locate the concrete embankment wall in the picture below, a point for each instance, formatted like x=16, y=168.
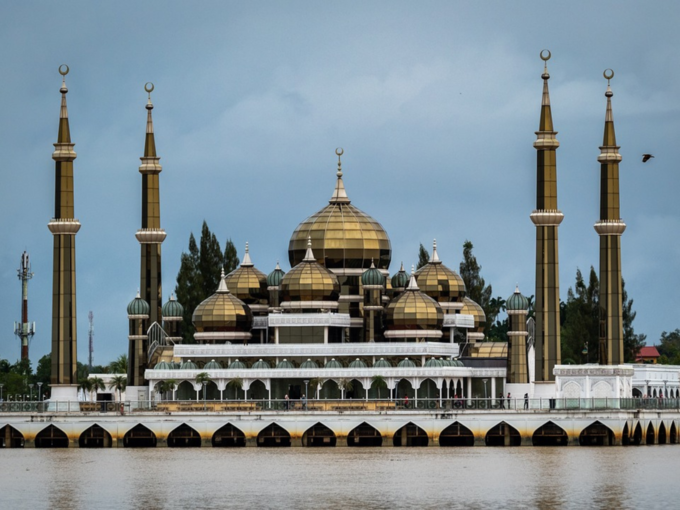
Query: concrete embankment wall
x=517, y=427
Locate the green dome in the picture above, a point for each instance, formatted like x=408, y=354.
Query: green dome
x=446, y=362
x=333, y=363
x=274, y=278
x=164, y=365
x=138, y=306
x=172, y=308
x=261, y=364
x=237, y=365
x=433, y=363
x=382, y=363
x=188, y=365
x=309, y=364
x=175, y=365
x=372, y=276
x=406, y=363
x=457, y=363
x=400, y=280
x=285, y=364
x=213, y=365
x=517, y=302
x=357, y=363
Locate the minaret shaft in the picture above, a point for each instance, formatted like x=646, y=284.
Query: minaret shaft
x=610, y=228
x=64, y=228
x=547, y=219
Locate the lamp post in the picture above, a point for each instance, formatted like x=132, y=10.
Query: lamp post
x=40, y=391
x=31, y=387
x=304, y=404
x=485, y=381
x=205, y=386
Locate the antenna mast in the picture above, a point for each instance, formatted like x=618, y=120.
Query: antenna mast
x=24, y=329
x=90, y=316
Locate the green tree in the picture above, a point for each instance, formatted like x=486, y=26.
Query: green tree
x=203, y=378
x=119, y=365
x=423, y=257
x=118, y=383
x=580, y=316
x=97, y=385
x=230, y=260
x=43, y=372
x=210, y=260
x=378, y=381
x=85, y=385
x=669, y=346
x=237, y=385
x=632, y=343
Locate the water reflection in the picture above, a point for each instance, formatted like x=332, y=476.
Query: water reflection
x=373, y=478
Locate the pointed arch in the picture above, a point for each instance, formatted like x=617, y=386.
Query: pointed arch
x=456, y=435
x=364, y=435
x=650, y=435
x=625, y=436
x=258, y=390
x=95, y=437
x=319, y=435
x=229, y=436
x=273, y=435
x=673, y=434
x=410, y=435
x=596, y=434
x=357, y=391
x=550, y=434
x=329, y=390
x=503, y=435
x=662, y=438
x=185, y=391
x=636, y=438
x=139, y=436
x=11, y=437
x=184, y=436
x=51, y=437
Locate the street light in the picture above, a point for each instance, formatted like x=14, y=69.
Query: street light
x=205, y=386
x=306, y=388
x=40, y=391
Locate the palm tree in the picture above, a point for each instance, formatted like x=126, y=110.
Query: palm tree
x=170, y=386
x=203, y=379
x=237, y=384
x=345, y=385
x=85, y=384
x=118, y=383
x=316, y=385
x=97, y=385
x=120, y=365
x=379, y=382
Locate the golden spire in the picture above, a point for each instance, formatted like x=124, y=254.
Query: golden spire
x=309, y=256
x=545, y=123
x=339, y=194
x=246, y=258
x=63, y=149
x=412, y=283
x=222, y=288
x=435, y=255
x=609, y=134
x=150, y=159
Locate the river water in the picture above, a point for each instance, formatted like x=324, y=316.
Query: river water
x=340, y=478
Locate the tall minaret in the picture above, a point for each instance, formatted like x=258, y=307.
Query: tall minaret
x=151, y=235
x=547, y=219
x=64, y=228
x=609, y=228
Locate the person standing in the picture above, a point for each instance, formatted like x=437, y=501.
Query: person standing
x=526, y=401
x=286, y=400
x=509, y=406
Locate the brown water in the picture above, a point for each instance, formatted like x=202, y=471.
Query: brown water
x=373, y=478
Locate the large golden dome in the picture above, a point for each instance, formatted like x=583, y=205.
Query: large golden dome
x=309, y=281
x=343, y=236
x=248, y=283
x=439, y=282
x=413, y=310
x=222, y=312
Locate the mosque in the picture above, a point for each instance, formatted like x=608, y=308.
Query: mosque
x=338, y=325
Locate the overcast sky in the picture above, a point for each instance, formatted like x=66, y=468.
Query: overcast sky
x=434, y=103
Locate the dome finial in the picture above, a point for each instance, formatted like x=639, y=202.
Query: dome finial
x=138, y=294
x=435, y=255
x=372, y=263
x=339, y=195
x=309, y=256
x=223, y=283
x=148, y=87
x=412, y=283
x=545, y=59
x=277, y=265
x=246, y=258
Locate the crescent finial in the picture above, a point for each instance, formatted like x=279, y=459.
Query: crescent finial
x=608, y=74
x=62, y=72
x=545, y=59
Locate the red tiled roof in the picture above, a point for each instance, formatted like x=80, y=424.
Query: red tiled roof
x=648, y=352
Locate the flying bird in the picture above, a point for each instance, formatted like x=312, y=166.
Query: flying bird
x=646, y=157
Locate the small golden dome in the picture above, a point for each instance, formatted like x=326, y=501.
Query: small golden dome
x=248, y=283
x=222, y=312
x=413, y=310
x=439, y=282
x=343, y=236
x=472, y=308
x=309, y=281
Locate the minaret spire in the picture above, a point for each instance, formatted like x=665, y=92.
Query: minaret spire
x=64, y=228
x=610, y=228
x=151, y=235
x=547, y=218
x=339, y=194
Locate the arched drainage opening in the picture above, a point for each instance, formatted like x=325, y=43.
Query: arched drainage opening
x=95, y=437
x=51, y=437
x=273, y=436
x=139, y=437
x=184, y=437
x=319, y=435
x=596, y=434
x=228, y=437
x=456, y=435
x=11, y=437
x=503, y=435
x=364, y=435
x=410, y=435
x=550, y=434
